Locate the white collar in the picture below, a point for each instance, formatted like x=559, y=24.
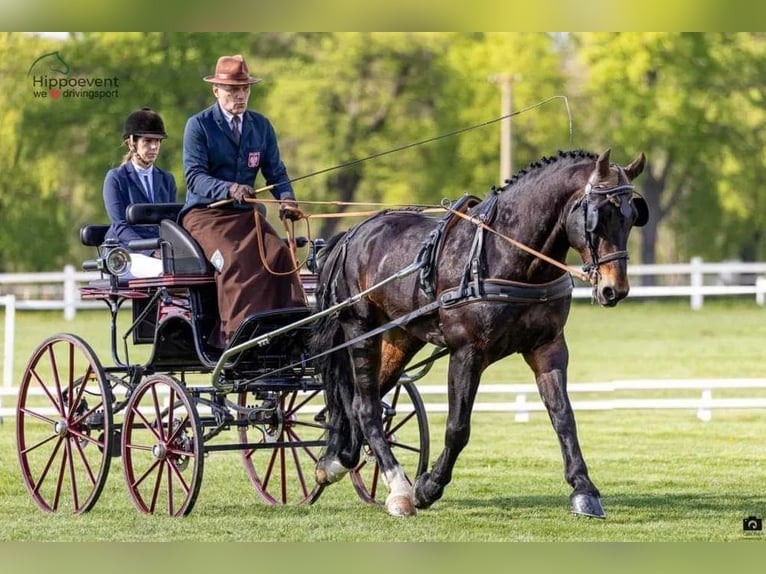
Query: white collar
x=229, y=116
x=141, y=170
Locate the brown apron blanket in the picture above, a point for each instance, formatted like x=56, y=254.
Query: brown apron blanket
x=229, y=240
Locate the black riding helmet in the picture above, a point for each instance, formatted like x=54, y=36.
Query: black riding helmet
x=144, y=123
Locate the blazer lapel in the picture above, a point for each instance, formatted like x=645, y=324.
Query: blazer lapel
x=224, y=125
x=133, y=176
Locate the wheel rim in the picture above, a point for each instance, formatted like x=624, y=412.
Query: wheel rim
x=64, y=426
x=285, y=442
x=406, y=427
x=162, y=447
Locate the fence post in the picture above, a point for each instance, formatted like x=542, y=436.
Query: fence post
x=696, y=281
x=10, y=324
x=69, y=292
x=760, y=291
x=703, y=412
x=522, y=415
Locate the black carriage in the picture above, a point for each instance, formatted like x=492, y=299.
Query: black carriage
x=162, y=415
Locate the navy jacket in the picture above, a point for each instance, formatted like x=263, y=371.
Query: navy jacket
x=123, y=188
x=212, y=161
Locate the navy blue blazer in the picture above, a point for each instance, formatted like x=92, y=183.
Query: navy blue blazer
x=213, y=161
x=123, y=188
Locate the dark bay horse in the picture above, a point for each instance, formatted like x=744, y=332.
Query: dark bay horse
x=481, y=298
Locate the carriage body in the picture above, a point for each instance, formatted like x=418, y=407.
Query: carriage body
x=162, y=414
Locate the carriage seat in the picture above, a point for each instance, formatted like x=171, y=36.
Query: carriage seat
x=181, y=254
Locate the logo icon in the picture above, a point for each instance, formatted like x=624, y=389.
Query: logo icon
x=49, y=63
x=752, y=524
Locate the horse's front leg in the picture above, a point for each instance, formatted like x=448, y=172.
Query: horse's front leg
x=465, y=369
x=549, y=364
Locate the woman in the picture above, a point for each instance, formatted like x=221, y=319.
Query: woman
x=138, y=180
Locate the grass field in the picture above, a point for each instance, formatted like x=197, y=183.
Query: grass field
x=664, y=475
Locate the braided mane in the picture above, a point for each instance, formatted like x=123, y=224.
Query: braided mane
x=570, y=156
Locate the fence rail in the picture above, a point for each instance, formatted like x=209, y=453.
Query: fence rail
x=695, y=280
x=526, y=399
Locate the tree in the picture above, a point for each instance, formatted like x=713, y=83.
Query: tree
x=690, y=101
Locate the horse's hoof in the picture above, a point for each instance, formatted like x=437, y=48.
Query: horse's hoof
x=328, y=472
x=400, y=505
x=418, y=493
x=587, y=505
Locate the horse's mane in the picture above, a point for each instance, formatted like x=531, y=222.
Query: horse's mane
x=562, y=158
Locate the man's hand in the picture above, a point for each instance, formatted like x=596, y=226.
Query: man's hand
x=238, y=192
x=288, y=208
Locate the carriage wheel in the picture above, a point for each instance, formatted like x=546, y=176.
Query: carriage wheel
x=64, y=425
x=284, y=442
x=162, y=447
x=406, y=427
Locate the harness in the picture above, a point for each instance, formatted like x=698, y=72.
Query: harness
x=474, y=286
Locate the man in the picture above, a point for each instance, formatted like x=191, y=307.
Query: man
x=225, y=147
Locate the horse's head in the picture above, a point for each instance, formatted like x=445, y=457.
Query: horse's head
x=599, y=224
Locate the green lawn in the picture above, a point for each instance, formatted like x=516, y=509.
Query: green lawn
x=664, y=475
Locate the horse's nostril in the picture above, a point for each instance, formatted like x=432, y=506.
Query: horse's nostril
x=608, y=294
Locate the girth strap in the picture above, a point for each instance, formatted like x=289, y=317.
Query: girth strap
x=503, y=291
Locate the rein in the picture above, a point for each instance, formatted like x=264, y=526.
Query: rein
x=478, y=222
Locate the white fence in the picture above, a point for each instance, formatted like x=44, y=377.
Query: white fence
x=526, y=399
x=695, y=280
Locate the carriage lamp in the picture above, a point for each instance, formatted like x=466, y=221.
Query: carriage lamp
x=116, y=261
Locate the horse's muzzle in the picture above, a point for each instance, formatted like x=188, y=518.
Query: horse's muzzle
x=609, y=292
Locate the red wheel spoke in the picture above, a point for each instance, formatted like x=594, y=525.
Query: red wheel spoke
x=178, y=429
x=60, y=479
x=35, y=446
x=80, y=390
x=136, y=483
x=57, y=404
x=41, y=418
x=157, y=413
x=47, y=467
x=85, y=462
x=298, y=466
x=150, y=426
x=72, y=474
x=177, y=472
x=157, y=484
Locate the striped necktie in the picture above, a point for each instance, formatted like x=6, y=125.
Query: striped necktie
x=235, y=128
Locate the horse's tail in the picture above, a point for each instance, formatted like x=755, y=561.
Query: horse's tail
x=334, y=368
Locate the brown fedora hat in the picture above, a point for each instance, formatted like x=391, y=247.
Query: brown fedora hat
x=231, y=70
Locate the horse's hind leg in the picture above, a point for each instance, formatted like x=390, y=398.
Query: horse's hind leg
x=465, y=369
x=366, y=357
x=549, y=364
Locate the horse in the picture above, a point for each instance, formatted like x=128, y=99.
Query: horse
x=478, y=297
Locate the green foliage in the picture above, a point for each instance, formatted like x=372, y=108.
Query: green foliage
x=692, y=102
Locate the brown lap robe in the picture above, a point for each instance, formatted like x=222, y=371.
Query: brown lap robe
x=245, y=286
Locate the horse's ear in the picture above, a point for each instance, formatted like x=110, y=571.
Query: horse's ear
x=636, y=167
x=602, y=164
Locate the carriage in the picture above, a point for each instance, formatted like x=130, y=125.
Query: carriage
x=163, y=413
x=331, y=388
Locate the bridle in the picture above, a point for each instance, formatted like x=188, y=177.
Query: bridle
x=596, y=196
